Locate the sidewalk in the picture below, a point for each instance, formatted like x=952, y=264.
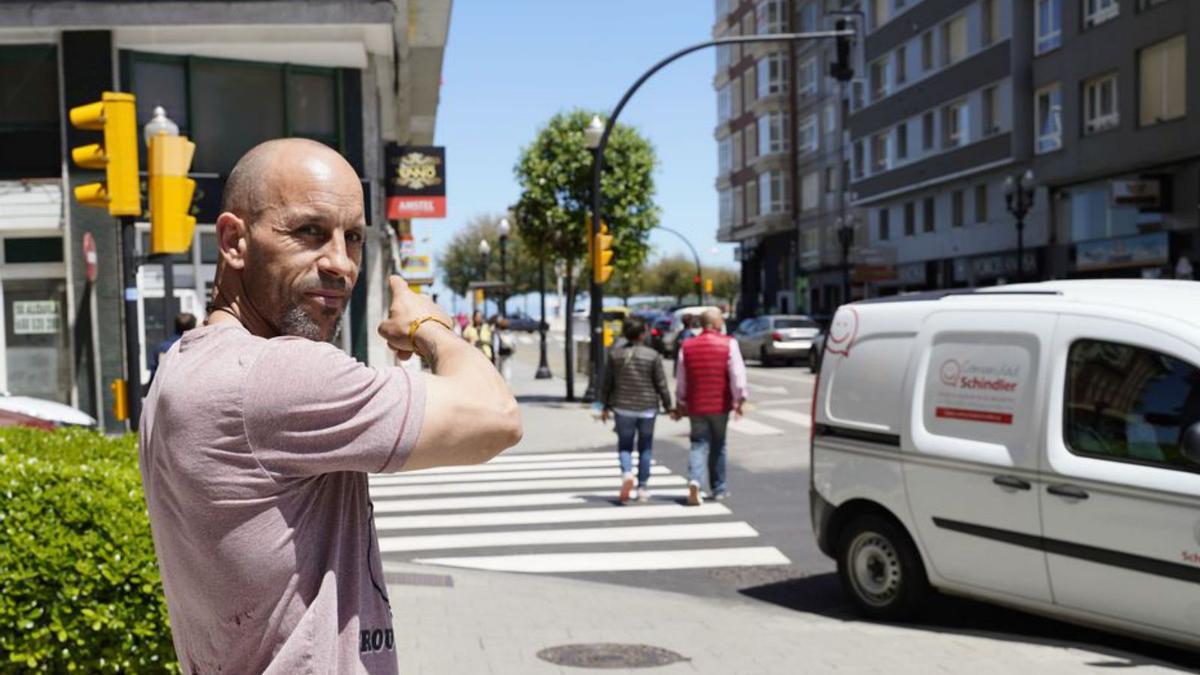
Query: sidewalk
x=451, y=620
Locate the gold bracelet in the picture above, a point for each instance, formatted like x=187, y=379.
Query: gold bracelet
x=416, y=323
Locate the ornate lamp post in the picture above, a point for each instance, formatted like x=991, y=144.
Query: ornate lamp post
x=1018, y=199
x=591, y=138
x=505, y=229
x=845, y=235
x=485, y=250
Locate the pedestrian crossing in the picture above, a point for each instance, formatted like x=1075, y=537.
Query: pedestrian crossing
x=556, y=513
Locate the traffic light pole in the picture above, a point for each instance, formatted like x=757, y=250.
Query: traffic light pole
x=597, y=322
x=133, y=364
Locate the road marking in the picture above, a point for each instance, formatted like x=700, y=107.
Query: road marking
x=791, y=416
x=594, y=535
x=542, y=517
x=751, y=428
x=761, y=389
x=543, y=457
x=758, y=372
x=597, y=460
x=618, y=562
x=508, y=501
x=511, y=486
x=612, y=469
x=786, y=401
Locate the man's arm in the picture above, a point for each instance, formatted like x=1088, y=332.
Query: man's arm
x=680, y=383
x=470, y=414
x=737, y=376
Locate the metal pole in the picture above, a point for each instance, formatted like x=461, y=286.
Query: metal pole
x=543, y=369
x=133, y=362
x=168, y=270
x=842, y=190
x=569, y=349
x=597, y=370
x=1020, y=246
x=503, y=278
x=695, y=256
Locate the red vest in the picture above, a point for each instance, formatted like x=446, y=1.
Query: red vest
x=706, y=362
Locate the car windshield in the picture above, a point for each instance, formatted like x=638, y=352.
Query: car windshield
x=795, y=323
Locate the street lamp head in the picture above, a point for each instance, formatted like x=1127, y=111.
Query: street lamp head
x=1028, y=176
x=159, y=124
x=1010, y=186
x=505, y=228
x=484, y=247
x=593, y=132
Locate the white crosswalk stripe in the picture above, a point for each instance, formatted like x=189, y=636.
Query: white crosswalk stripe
x=790, y=416
x=750, y=427
x=555, y=513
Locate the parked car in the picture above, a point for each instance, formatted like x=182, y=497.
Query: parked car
x=658, y=331
x=671, y=337
x=20, y=410
x=1035, y=445
x=776, y=337
x=521, y=322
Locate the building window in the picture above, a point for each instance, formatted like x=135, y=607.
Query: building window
x=927, y=51
x=808, y=76
x=724, y=156
x=810, y=191
x=954, y=40
x=1127, y=404
x=724, y=104
x=884, y=225
x=725, y=208
x=901, y=67
x=902, y=141
x=957, y=209
x=772, y=74
x=1048, y=118
x=830, y=118
x=927, y=131
x=879, y=153
x=1098, y=11
x=770, y=16
x=830, y=179
x=991, y=22
x=859, y=163
x=772, y=192
x=738, y=154
x=1100, y=104
x=750, y=134
x=722, y=9
x=981, y=203
x=1144, y=5
x=808, y=18
x=1047, y=26
x=1163, y=70
x=910, y=219
x=30, y=143
x=880, y=13
x=879, y=80
x=739, y=205
x=954, y=123
x=772, y=133
x=806, y=134
x=752, y=204
x=930, y=214
x=991, y=111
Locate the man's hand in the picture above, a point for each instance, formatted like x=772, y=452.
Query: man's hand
x=737, y=408
x=677, y=414
x=406, y=307
x=604, y=415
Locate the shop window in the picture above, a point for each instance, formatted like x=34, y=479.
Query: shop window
x=36, y=351
x=33, y=250
x=1163, y=69
x=29, y=119
x=312, y=104
x=1126, y=403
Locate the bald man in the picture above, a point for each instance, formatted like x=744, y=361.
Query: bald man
x=258, y=434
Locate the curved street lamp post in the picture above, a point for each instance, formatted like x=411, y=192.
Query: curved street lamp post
x=597, y=297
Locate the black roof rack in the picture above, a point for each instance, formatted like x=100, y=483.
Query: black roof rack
x=929, y=296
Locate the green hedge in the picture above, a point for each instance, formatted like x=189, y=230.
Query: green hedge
x=79, y=584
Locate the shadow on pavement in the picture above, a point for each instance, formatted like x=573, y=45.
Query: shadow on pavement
x=822, y=594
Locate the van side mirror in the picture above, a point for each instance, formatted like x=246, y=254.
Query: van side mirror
x=1189, y=444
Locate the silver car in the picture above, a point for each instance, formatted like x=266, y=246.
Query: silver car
x=777, y=337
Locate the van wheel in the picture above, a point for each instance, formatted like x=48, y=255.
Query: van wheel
x=881, y=569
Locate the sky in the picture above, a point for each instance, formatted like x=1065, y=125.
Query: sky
x=511, y=65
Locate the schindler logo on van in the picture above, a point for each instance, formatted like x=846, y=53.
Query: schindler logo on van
x=977, y=392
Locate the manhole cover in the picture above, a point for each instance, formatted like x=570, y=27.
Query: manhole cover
x=609, y=655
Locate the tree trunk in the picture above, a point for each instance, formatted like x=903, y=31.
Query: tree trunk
x=569, y=347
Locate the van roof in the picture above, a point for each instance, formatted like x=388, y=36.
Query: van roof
x=1169, y=297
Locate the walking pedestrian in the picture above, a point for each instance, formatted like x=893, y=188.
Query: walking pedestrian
x=479, y=334
x=184, y=322
x=634, y=385
x=690, y=329
x=258, y=434
x=710, y=383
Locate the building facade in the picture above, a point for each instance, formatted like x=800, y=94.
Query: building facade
x=353, y=75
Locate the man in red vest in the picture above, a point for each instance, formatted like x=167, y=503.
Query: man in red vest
x=710, y=382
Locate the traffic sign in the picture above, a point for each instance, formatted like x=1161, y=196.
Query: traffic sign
x=90, y=259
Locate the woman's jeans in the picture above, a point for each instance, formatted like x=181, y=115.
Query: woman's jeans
x=643, y=427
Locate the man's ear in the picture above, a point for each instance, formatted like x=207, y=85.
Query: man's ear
x=232, y=240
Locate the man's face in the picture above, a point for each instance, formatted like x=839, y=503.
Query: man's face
x=477, y=319
x=305, y=248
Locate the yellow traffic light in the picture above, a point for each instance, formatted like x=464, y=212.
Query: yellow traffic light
x=171, y=225
x=708, y=286
x=115, y=114
x=120, y=394
x=601, y=255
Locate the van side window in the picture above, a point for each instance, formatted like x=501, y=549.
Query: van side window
x=1129, y=404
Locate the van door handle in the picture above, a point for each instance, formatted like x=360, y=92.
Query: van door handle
x=1011, y=482
x=1064, y=490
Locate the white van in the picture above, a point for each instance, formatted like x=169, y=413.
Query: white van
x=1034, y=445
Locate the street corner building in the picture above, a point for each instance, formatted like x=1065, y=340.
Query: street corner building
x=963, y=119
x=356, y=75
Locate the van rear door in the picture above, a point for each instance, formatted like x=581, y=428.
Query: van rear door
x=976, y=395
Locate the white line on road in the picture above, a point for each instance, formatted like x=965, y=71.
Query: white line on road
x=543, y=457
x=751, y=428
x=507, y=501
x=542, y=517
x=618, y=562
x=596, y=461
x=760, y=389
x=786, y=401
x=790, y=416
x=592, y=535
x=511, y=486
x=797, y=378
x=611, y=470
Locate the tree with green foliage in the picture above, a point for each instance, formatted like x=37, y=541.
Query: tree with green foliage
x=460, y=262
x=727, y=284
x=672, y=275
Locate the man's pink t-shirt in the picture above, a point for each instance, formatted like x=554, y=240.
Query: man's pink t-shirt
x=254, y=456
